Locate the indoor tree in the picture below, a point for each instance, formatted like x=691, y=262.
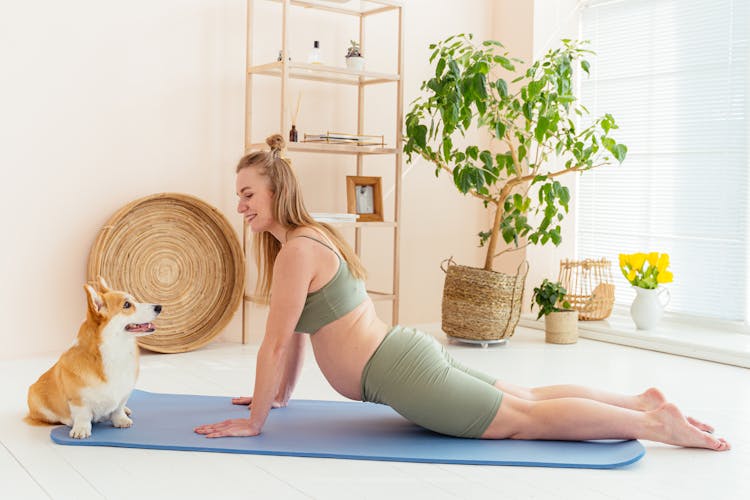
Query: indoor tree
x=539, y=122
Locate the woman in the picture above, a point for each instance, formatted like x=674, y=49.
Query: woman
x=314, y=283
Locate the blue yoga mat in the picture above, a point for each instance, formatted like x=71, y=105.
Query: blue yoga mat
x=333, y=429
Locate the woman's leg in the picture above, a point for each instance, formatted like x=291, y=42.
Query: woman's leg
x=648, y=400
x=651, y=399
x=580, y=419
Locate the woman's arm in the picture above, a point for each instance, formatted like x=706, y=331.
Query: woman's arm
x=292, y=369
x=294, y=362
x=292, y=274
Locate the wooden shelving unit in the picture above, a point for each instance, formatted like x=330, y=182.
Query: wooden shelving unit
x=286, y=70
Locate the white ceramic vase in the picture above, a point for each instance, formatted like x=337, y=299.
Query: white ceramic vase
x=648, y=306
x=355, y=63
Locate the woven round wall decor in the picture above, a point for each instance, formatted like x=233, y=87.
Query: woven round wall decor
x=178, y=251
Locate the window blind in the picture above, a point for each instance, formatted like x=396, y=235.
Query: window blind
x=674, y=74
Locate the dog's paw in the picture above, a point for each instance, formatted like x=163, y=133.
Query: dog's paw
x=121, y=421
x=127, y=411
x=80, y=431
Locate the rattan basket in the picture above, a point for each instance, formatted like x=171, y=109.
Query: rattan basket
x=480, y=304
x=178, y=251
x=591, y=289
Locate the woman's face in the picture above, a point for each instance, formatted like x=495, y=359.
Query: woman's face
x=256, y=199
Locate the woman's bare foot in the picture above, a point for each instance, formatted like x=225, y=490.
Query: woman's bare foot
x=651, y=399
x=700, y=425
x=679, y=431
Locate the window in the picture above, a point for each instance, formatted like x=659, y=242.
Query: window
x=674, y=73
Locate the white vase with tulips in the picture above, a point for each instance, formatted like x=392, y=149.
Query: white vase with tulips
x=646, y=272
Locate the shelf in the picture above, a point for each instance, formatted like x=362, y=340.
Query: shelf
x=350, y=7
x=380, y=296
x=319, y=147
x=364, y=224
x=323, y=73
x=374, y=296
x=336, y=73
x=387, y=224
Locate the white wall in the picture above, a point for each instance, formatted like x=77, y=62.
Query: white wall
x=104, y=102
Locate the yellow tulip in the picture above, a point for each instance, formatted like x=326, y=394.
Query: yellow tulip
x=624, y=260
x=664, y=277
x=637, y=260
x=631, y=275
x=663, y=263
x=652, y=258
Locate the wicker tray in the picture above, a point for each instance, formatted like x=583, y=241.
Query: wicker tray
x=178, y=251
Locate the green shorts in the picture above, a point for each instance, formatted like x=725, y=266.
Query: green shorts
x=413, y=374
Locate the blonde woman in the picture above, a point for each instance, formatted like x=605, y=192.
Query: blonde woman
x=314, y=284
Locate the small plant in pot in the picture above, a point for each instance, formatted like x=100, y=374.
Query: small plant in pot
x=354, y=59
x=560, y=320
x=537, y=132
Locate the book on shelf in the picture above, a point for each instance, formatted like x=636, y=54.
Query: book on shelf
x=334, y=218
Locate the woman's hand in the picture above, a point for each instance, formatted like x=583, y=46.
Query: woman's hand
x=233, y=427
x=248, y=400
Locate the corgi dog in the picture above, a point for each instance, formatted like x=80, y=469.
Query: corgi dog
x=92, y=381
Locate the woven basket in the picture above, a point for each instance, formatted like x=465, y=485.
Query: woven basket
x=479, y=304
x=178, y=251
x=591, y=289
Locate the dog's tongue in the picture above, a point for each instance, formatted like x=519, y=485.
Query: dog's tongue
x=140, y=327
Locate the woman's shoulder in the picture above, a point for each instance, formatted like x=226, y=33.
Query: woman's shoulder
x=309, y=238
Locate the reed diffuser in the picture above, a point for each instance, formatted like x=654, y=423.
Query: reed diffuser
x=293, y=136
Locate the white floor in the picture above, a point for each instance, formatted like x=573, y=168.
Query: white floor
x=31, y=466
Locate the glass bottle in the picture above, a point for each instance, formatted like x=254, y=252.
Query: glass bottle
x=293, y=134
x=314, y=57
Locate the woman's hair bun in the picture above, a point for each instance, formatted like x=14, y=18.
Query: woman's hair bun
x=276, y=142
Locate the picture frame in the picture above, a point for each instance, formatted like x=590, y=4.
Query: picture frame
x=364, y=197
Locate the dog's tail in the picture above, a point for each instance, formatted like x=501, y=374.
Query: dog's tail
x=36, y=422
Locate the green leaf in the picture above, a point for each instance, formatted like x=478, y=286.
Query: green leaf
x=499, y=130
x=585, y=66
x=619, y=152
x=527, y=107
x=541, y=128
x=535, y=87
x=504, y=62
x=440, y=68
x=564, y=195
x=420, y=136
x=502, y=87
x=486, y=158
x=555, y=235
x=479, y=86
x=447, y=146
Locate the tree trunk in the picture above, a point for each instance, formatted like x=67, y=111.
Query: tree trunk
x=493, y=238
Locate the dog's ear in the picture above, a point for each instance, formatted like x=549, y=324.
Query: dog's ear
x=95, y=302
x=103, y=286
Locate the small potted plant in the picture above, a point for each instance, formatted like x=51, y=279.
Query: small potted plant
x=354, y=59
x=560, y=320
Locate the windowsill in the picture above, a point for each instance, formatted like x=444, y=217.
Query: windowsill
x=683, y=339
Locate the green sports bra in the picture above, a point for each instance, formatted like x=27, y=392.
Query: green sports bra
x=336, y=298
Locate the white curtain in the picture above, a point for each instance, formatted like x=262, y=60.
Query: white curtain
x=674, y=73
